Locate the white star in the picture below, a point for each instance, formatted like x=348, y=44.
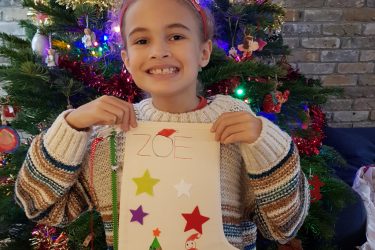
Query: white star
x=183, y=188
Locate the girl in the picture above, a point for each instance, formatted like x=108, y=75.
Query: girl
x=164, y=50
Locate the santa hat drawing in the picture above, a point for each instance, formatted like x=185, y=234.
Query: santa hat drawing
x=190, y=242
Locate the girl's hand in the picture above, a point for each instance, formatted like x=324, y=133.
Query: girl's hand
x=232, y=127
x=106, y=110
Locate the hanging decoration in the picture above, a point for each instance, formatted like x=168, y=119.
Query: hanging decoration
x=46, y=238
x=9, y=139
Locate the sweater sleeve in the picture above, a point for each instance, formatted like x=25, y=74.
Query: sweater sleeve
x=49, y=186
x=279, y=185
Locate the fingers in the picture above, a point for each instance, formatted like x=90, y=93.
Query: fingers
x=226, y=120
x=236, y=127
x=116, y=111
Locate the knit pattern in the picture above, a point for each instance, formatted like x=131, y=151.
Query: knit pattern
x=262, y=185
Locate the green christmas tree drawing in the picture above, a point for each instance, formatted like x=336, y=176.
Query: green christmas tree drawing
x=155, y=244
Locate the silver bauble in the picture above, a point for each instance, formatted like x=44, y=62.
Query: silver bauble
x=40, y=44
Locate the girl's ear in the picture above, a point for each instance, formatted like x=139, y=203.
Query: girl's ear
x=206, y=53
x=125, y=59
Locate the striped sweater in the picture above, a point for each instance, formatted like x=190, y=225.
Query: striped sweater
x=262, y=185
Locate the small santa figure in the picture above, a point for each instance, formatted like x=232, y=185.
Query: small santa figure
x=190, y=242
x=89, y=39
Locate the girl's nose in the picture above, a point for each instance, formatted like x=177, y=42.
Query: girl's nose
x=160, y=50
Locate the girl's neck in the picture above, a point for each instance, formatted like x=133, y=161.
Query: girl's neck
x=177, y=103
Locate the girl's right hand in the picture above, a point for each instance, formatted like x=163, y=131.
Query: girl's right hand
x=106, y=110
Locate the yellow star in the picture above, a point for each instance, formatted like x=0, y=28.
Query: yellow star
x=145, y=184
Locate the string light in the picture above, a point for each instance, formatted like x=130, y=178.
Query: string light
x=240, y=92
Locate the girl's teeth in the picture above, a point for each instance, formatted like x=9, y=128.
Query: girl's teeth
x=163, y=71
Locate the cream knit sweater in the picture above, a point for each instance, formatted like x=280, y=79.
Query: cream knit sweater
x=262, y=185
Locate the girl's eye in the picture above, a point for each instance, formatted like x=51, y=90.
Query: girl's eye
x=177, y=37
x=141, y=41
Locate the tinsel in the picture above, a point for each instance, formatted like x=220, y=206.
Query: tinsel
x=312, y=144
x=120, y=85
x=47, y=238
x=100, y=4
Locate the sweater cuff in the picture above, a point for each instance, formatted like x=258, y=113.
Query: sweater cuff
x=270, y=148
x=64, y=143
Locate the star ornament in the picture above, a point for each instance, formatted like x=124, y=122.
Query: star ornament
x=156, y=232
x=138, y=215
x=145, y=184
x=195, y=220
x=183, y=188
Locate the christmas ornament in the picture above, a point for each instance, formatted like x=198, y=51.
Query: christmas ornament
x=7, y=114
x=316, y=184
x=46, y=237
x=9, y=139
x=247, y=48
x=40, y=44
x=261, y=44
x=233, y=54
x=51, y=58
x=101, y=5
x=89, y=39
x=272, y=102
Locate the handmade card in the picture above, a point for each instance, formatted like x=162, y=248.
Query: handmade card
x=170, y=189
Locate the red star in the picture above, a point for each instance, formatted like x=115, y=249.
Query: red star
x=195, y=220
x=156, y=232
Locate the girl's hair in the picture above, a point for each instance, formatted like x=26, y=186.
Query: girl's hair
x=202, y=14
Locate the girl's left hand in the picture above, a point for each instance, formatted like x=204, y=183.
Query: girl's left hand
x=232, y=127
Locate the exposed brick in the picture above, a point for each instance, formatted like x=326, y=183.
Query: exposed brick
x=292, y=42
x=340, y=125
x=298, y=29
x=364, y=124
x=342, y=29
x=350, y=116
x=338, y=104
x=329, y=115
x=7, y=3
x=359, y=15
x=292, y=15
x=339, y=56
x=345, y=3
x=372, y=116
x=364, y=104
x=322, y=15
x=370, y=3
x=9, y=14
x=367, y=55
x=355, y=68
x=360, y=92
x=369, y=29
x=299, y=55
x=339, y=80
x=12, y=28
x=300, y=3
x=367, y=79
x=358, y=42
x=316, y=68
x=322, y=42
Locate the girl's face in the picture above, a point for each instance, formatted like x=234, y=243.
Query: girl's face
x=163, y=47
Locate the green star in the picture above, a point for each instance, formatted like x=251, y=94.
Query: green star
x=145, y=184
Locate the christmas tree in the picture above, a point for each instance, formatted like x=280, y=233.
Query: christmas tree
x=72, y=56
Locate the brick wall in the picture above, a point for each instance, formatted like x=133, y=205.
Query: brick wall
x=334, y=40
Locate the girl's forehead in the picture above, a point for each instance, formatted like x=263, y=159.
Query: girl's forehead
x=158, y=13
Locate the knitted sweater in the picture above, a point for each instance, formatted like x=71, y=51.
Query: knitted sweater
x=262, y=185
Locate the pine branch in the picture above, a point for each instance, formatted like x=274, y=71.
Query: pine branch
x=231, y=69
x=13, y=41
